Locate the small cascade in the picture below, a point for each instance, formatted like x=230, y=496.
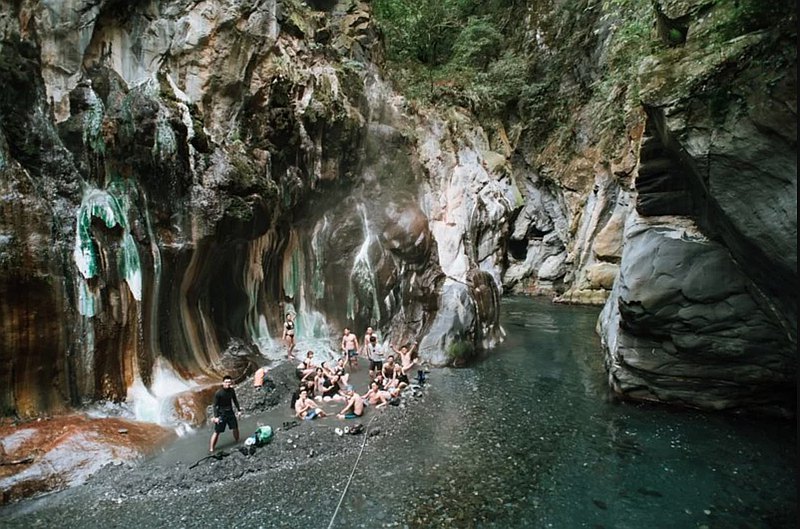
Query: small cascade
x=293, y=265
x=156, y=404
x=362, y=276
x=312, y=332
x=321, y=231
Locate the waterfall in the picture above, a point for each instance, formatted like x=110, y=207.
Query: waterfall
x=362, y=275
x=156, y=404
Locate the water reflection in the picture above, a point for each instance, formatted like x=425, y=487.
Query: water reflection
x=531, y=438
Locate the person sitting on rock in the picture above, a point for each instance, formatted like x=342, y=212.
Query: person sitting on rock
x=388, y=371
x=329, y=389
x=305, y=408
x=306, y=369
x=354, y=407
x=319, y=376
x=338, y=371
x=259, y=377
x=400, y=380
x=407, y=360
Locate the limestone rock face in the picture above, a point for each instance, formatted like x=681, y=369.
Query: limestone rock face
x=176, y=176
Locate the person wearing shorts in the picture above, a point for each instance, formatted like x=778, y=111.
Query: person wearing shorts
x=350, y=347
x=224, y=416
x=305, y=408
x=375, y=355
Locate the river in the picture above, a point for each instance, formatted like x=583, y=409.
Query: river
x=527, y=437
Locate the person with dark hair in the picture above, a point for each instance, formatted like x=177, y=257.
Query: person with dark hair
x=350, y=348
x=355, y=405
x=224, y=416
x=376, y=396
x=305, y=408
x=375, y=355
x=288, y=335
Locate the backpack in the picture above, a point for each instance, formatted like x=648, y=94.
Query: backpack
x=263, y=435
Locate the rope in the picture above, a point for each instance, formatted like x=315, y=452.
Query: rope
x=344, y=492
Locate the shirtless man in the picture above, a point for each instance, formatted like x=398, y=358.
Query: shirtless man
x=305, y=408
x=350, y=347
x=355, y=405
x=387, y=370
x=406, y=357
x=376, y=396
x=367, y=335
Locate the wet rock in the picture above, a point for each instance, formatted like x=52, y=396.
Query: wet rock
x=68, y=450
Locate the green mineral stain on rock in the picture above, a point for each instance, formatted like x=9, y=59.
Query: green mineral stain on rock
x=109, y=209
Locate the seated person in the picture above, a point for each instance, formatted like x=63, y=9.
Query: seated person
x=387, y=370
x=305, y=408
x=329, y=389
x=342, y=376
x=376, y=396
x=306, y=369
x=259, y=377
x=407, y=360
x=400, y=377
x=354, y=407
x=319, y=376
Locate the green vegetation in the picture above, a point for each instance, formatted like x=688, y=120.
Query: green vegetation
x=537, y=66
x=460, y=351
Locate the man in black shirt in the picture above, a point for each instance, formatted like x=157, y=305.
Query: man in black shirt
x=224, y=400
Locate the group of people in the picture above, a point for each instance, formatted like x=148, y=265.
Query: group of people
x=328, y=381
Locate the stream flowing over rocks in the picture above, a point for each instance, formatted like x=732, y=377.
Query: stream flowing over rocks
x=177, y=176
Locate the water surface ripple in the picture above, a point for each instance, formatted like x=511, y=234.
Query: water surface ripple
x=527, y=438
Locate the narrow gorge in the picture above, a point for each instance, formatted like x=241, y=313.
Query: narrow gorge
x=177, y=176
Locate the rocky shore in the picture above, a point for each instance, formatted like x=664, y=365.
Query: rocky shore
x=287, y=483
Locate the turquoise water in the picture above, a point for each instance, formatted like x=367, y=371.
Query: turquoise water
x=630, y=466
x=530, y=437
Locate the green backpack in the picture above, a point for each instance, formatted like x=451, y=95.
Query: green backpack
x=263, y=435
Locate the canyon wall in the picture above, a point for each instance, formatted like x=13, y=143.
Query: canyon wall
x=177, y=176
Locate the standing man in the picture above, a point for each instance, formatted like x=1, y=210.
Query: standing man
x=375, y=355
x=224, y=400
x=350, y=347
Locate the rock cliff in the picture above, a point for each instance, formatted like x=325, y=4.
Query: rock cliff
x=176, y=176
